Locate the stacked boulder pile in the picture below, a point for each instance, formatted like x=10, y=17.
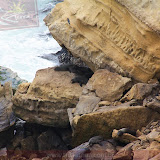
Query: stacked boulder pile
x=121, y=46
x=145, y=146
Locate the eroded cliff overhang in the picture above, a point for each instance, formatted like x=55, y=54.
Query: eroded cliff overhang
x=105, y=34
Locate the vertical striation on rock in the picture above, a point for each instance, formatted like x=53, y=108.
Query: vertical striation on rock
x=105, y=34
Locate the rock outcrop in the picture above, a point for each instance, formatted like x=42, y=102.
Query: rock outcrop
x=7, y=117
x=106, y=34
x=46, y=99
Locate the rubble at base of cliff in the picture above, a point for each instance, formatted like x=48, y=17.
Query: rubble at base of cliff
x=92, y=130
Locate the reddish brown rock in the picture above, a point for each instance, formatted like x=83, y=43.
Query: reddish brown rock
x=157, y=157
x=144, y=154
x=125, y=153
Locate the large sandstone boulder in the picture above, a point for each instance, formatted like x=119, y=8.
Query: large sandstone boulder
x=105, y=119
x=46, y=99
x=105, y=34
x=7, y=117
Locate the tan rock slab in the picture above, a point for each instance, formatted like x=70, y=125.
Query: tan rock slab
x=104, y=120
x=107, y=85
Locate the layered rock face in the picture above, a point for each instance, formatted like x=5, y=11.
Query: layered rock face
x=46, y=99
x=105, y=34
